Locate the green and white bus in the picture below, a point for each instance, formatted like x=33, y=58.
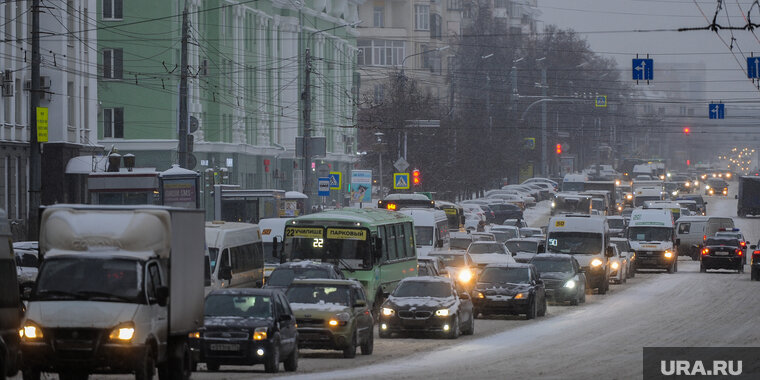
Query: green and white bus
x=374, y=246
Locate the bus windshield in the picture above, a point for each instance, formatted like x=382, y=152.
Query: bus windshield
x=355, y=253
x=583, y=243
x=649, y=233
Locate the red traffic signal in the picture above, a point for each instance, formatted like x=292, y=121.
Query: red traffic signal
x=416, y=180
x=559, y=148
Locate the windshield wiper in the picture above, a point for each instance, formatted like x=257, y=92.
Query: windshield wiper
x=98, y=294
x=346, y=266
x=57, y=293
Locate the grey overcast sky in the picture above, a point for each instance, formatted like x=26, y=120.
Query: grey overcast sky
x=609, y=27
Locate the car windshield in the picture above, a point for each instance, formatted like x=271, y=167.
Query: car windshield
x=319, y=294
x=505, y=275
x=486, y=248
x=116, y=280
x=728, y=242
x=548, y=265
x=233, y=305
x=616, y=223
x=423, y=236
x=460, y=243
x=452, y=260
x=423, y=289
x=522, y=246
x=285, y=276
x=649, y=233
x=583, y=243
x=622, y=246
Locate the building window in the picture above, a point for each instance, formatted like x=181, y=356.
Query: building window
x=112, y=9
x=112, y=63
x=113, y=123
x=379, y=93
x=435, y=26
x=378, y=17
x=500, y=3
x=380, y=52
x=421, y=17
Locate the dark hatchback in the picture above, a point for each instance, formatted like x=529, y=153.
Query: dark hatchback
x=427, y=305
x=504, y=211
x=510, y=289
x=722, y=253
x=283, y=275
x=247, y=327
x=564, y=281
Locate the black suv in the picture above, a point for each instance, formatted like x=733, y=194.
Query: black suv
x=247, y=327
x=722, y=253
x=564, y=280
x=510, y=289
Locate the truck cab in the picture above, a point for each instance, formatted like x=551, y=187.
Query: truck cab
x=11, y=309
x=119, y=290
x=587, y=239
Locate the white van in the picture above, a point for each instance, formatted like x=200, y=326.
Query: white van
x=652, y=236
x=692, y=231
x=236, y=255
x=271, y=229
x=641, y=195
x=431, y=229
x=587, y=238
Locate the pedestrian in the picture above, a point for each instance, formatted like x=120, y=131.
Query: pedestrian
x=482, y=226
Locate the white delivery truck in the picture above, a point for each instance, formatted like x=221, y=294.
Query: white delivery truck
x=652, y=237
x=119, y=290
x=587, y=238
x=431, y=229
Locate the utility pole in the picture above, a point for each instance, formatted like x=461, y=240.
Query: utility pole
x=35, y=155
x=544, y=169
x=183, y=115
x=306, y=96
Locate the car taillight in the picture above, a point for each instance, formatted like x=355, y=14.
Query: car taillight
x=704, y=237
x=738, y=252
x=706, y=251
x=743, y=244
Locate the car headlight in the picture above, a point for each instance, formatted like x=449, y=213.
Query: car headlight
x=194, y=335
x=260, y=333
x=480, y=295
x=668, y=254
x=123, y=332
x=629, y=196
x=30, y=331
x=340, y=319
x=554, y=204
x=465, y=275
x=388, y=312
x=570, y=284
x=520, y=296
x=596, y=263
x=442, y=312
x=615, y=265
x=707, y=187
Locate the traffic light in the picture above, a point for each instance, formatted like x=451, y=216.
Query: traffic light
x=559, y=149
x=416, y=180
x=686, y=130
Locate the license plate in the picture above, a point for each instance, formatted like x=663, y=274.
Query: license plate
x=721, y=253
x=499, y=298
x=224, y=347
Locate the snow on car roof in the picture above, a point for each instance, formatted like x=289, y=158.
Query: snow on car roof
x=562, y=256
x=419, y=301
x=321, y=306
x=426, y=279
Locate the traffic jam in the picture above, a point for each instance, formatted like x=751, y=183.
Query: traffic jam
x=238, y=299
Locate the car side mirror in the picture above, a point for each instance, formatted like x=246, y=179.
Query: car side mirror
x=259, y=284
x=540, y=281
x=274, y=247
x=225, y=273
x=162, y=295
x=678, y=241
x=360, y=303
x=439, y=243
x=25, y=291
x=464, y=296
x=609, y=252
x=736, y=196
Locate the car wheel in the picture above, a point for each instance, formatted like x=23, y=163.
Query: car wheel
x=31, y=374
x=147, y=367
x=542, y=312
x=670, y=268
x=291, y=363
x=755, y=275
x=576, y=300
x=675, y=265
x=583, y=296
x=454, y=330
x=632, y=271
x=702, y=268
x=475, y=313
x=531, y=313
x=741, y=268
x=272, y=362
x=212, y=366
x=602, y=289
x=369, y=344
x=350, y=351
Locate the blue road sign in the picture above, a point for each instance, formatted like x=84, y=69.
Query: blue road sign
x=601, y=101
x=753, y=67
x=324, y=187
x=717, y=111
x=400, y=181
x=335, y=180
x=643, y=69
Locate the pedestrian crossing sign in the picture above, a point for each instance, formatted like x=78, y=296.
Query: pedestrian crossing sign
x=335, y=180
x=400, y=181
